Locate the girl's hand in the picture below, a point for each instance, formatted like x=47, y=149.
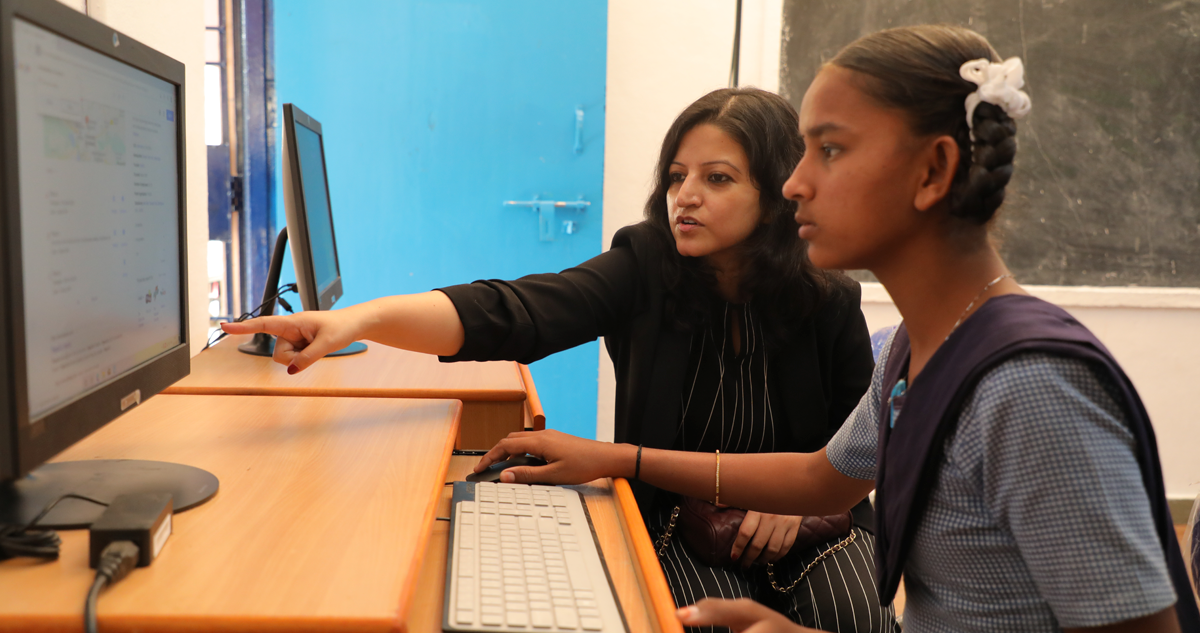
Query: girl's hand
x=741, y=616
x=764, y=538
x=569, y=459
x=303, y=339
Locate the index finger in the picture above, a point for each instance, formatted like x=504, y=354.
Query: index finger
x=745, y=533
x=504, y=449
x=249, y=326
x=737, y=614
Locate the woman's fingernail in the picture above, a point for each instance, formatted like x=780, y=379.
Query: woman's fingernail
x=508, y=478
x=687, y=613
x=734, y=556
x=292, y=369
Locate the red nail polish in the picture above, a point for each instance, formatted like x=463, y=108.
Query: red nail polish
x=292, y=369
x=734, y=556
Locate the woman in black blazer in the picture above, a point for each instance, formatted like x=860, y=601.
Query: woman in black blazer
x=722, y=334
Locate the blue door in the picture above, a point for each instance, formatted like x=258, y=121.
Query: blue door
x=437, y=113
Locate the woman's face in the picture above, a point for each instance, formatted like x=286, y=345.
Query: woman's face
x=712, y=203
x=857, y=181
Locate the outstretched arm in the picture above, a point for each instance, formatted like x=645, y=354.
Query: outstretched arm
x=425, y=322
x=779, y=483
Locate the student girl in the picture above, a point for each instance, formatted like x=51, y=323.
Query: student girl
x=723, y=336
x=1017, y=479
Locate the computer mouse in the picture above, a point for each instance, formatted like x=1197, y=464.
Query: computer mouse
x=492, y=473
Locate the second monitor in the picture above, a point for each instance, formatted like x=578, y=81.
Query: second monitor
x=309, y=228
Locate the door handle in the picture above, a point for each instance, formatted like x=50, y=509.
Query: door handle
x=547, y=211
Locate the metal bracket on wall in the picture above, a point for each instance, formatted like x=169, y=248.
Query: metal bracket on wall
x=547, y=211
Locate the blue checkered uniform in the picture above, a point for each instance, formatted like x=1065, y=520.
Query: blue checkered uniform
x=1039, y=519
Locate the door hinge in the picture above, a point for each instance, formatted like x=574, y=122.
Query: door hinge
x=235, y=193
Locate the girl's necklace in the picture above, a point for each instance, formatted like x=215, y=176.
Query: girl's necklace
x=963, y=316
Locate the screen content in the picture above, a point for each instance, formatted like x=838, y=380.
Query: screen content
x=316, y=207
x=98, y=179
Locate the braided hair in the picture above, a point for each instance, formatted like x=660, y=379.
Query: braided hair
x=916, y=69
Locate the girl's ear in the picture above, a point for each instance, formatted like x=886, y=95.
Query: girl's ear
x=940, y=163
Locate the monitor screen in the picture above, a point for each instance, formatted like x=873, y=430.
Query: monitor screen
x=311, y=155
x=99, y=216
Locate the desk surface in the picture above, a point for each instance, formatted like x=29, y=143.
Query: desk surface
x=322, y=518
x=381, y=372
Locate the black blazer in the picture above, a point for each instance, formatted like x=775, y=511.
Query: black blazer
x=825, y=367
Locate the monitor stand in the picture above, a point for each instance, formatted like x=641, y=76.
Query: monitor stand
x=101, y=479
x=264, y=344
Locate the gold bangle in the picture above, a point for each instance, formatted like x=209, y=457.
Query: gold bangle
x=717, y=501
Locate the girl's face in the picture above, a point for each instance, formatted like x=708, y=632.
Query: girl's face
x=860, y=176
x=712, y=203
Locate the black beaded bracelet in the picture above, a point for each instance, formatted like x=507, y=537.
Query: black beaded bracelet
x=637, y=469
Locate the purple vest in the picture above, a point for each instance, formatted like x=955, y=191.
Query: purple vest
x=909, y=456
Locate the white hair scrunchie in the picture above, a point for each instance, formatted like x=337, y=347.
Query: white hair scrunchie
x=999, y=84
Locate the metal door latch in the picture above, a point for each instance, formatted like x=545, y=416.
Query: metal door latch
x=547, y=211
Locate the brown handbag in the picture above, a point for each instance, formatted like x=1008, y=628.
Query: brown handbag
x=709, y=532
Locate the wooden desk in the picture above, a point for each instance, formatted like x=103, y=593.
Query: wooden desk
x=493, y=394
x=639, y=581
x=324, y=511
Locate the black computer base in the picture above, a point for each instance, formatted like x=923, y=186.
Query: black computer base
x=264, y=345
x=100, y=479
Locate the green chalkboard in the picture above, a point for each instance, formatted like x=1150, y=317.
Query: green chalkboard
x=1107, y=184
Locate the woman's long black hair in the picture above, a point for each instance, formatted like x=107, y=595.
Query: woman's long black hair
x=777, y=277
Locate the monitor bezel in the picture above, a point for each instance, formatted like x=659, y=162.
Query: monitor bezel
x=296, y=210
x=25, y=444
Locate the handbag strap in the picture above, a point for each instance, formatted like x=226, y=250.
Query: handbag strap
x=837, y=547
x=665, y=540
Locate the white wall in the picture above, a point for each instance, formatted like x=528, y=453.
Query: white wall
x=176, y=28
x=662, y=55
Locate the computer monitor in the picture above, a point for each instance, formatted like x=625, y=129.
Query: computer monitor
x=309, y=227
x=93, y=271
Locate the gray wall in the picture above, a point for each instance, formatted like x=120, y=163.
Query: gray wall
x=1108, y=170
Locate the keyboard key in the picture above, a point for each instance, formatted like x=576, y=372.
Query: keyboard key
x=591, y=624
x=518, y=618
x=541, y=619
x=566, y=617
x=466, y=563
x=492, y=619
x=466, y=506
x=464, y=616
x=577, y=569
x=466, y=594
x=466, y=537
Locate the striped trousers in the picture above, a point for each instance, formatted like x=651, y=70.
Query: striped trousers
x=839, y=594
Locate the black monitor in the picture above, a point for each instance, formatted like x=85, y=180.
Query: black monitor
x=93, y=257
x=309, y=228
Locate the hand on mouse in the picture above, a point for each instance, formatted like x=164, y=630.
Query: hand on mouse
x=569, y=459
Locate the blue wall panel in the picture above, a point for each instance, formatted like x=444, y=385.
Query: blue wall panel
x=436, y=112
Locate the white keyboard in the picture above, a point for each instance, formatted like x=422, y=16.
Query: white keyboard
x=524, y=558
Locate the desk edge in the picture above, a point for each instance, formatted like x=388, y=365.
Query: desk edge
x=661, y=601
x=404, y=605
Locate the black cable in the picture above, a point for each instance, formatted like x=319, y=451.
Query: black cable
x=737, y=47
x=116, y=561
x=21, y=541
x=220, y=334
x=89, y=607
